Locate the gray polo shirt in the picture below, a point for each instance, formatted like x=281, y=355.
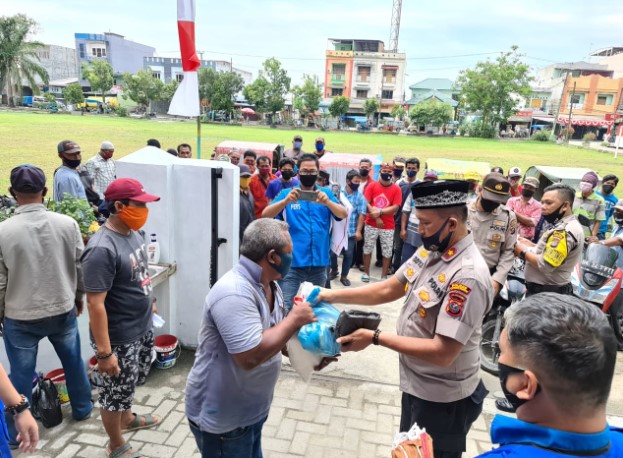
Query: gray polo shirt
x=220, y=395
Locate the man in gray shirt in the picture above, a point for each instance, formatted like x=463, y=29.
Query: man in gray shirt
x=41, y=290
x=66, y=178
x=243, y=331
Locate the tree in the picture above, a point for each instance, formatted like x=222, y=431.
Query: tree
x=73, y=94
x=19, y=56
x=227, y=85
x=370, y=106
x=255, y=93
x=339, y=107
x=398, y=111
x=278, y=85
x=307, y=97
x=168, y=90
x=431, y=112
x=207, y=83
x=492, y=87
x=49, y=97
x=142, y=87
x=100, y=76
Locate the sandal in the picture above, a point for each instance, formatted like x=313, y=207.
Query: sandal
x=365, y=278
x=122, y=451
x=333, y=274
x=345, y=281
x=142, y=422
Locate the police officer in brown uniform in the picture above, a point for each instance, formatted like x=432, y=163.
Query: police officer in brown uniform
x=549, y=264
x=494, y=227
x=448, y=292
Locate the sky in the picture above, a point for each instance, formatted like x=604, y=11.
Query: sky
x=440, y=38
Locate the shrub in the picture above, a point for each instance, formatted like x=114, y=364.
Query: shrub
x=122, y=112
x=481, y=130
x=542, y=135
x=590, y=137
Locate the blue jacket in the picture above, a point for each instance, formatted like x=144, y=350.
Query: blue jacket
x=310, y=225
x=521, y=439
x=611, y=200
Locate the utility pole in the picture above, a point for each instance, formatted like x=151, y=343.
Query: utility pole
x=559, y=105
x=570, y=111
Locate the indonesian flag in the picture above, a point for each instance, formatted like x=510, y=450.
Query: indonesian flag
x=186, y=99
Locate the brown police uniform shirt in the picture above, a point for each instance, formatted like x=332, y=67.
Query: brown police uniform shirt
x=559, y=249
x=495, y=235
x=448, y=295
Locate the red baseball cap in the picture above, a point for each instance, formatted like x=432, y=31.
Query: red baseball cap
x=128, y=188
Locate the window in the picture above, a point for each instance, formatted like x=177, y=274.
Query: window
x=156, y=75
x=363, y=74
x=339, y=70
x=98, y=52
x=389, y=75
x=604, y=99
x=43, y=54
x=336, y=91
x=362, y=94
x=179, y=77
x=83, y=52
x=577, y=99
x=387, y=95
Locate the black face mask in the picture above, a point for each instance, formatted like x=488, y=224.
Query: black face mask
x=618, y=219
x=527, y=193
x=607, y=188
x=287, y=174
x=554, y=216
x=472, y=186
x=386, y=177
x=504, y=372
x=72, y=163
x=308, y=180
x=488, y=205
x=432, y=242
x=364, y=172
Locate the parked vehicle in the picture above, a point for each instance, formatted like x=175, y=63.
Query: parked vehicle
x=514, y=290
x=597, y=280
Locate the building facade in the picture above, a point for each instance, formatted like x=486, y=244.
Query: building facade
x=123, y=55
x=168, y=68
x=612, y=58
x=363, y=69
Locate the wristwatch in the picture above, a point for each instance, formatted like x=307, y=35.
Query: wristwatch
x=19, y=408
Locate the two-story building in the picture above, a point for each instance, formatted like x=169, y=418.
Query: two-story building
x=363, y=69
x=169, y=68
x=440, y=89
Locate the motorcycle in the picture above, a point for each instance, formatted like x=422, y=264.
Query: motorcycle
x=597, y=280
x=514, y=290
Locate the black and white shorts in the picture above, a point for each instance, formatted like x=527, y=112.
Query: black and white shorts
x=116, y=393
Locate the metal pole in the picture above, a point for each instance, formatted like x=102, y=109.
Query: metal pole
x=559, y=105
x=617, y=140
x=199, y=137
x=570, y=111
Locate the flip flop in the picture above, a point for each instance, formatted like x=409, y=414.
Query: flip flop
x=121, y=452
x=137, y=423
x=345, y=281
x=365, y=278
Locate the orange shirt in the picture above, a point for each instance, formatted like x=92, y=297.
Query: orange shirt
x=257, y=186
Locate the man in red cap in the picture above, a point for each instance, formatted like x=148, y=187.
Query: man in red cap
x=120, y=309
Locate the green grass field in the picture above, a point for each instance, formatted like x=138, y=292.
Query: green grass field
x=32, y=138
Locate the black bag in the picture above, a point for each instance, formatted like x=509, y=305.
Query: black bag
x=46, y=406
x=351, y=320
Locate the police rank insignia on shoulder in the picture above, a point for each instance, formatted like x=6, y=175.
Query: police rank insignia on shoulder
x=441, y=278
x=424, y=295
x=422, y=312
x=410, y=274
x=555, y=251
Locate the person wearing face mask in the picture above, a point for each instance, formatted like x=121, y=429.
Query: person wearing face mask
x=297, y=148
x=366, y=171
x=616, y=238
x=309, y=225
x=244, y=329
x=398, y=168
x=247, y=205
x=473, y=178
x=102, y=168
x=550, y=262
x=608, y=185
x=320, y=147
x=66, y=177
x=527, y=209
x=494, y=227
x=41, y=292
x=259, y=184
x=287, y=179
x=557, y=362
x=116, y=279
x=447, y=290
x=588, y=204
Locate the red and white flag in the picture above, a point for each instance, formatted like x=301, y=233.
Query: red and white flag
x=186, y=99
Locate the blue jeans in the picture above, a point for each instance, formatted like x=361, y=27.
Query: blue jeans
x=21, y=340
x=347, y=262
x=297, y=275
x=243, y=442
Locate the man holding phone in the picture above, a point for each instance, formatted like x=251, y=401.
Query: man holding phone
x=308, y=209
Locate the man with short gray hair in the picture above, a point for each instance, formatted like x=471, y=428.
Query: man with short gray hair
x=101, y=168
x=243, y=331
x=556, y=367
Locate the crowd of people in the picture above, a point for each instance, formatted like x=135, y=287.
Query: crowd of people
x=444, y=247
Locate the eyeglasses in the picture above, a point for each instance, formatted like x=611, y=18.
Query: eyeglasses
x=308, y=172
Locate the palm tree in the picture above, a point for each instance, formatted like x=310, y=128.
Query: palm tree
x=18, y=56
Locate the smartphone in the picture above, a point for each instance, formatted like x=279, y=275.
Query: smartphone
x=309, y=196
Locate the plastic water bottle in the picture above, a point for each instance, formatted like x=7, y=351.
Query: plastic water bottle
x=153, y=250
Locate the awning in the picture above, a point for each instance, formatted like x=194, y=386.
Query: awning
x=584, y=121
x=520, y=119
x=548, y=119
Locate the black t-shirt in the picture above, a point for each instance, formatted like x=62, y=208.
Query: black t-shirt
x=117, y=264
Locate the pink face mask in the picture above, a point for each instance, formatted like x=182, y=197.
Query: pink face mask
x=585, y=187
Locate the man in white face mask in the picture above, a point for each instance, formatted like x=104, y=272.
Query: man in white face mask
x=588, y=204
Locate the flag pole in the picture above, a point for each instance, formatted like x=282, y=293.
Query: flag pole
x=199, y=137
